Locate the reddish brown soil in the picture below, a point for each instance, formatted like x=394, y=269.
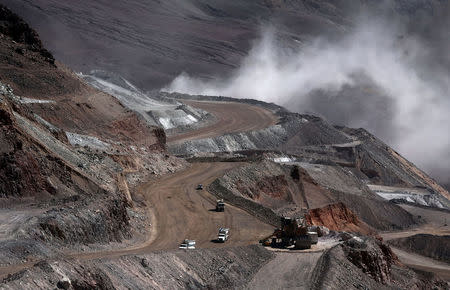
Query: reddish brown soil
x=338, y=217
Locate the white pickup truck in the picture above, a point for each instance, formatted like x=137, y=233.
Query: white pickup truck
x=223, y=235
x=187, y=245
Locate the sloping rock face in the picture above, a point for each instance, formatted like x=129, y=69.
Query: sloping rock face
x=382, y=165
x=270, y=188
x=63, y=152
x=266, y=183
x=342, y=161
x=338, y=217
x=367, y=263
x=436, y=247
x=229, y=268
x=59, y=97
x=14, y=27
x=372, y=257
x=26, y=168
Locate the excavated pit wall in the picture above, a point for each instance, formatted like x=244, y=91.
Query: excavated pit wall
x=314, y=189
x=263, y=213
x=365, y=263
x=273, y=137
x=313, y=131
x=229, y=268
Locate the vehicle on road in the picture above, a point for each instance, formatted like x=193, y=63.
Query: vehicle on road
x=223, y=235
x=200, y=187
x=220, y=205
x=187, y=245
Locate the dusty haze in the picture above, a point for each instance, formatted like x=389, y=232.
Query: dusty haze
x=380, y=76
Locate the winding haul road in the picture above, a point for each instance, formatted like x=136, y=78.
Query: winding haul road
x=231, y=117
x=178, y=210
x=182, y=212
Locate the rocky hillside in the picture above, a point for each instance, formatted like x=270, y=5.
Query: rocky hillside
x=289, y=190
x=92, y=197
x=367, y=256
x=214, y=269
x=69, y=153
x=436, y=247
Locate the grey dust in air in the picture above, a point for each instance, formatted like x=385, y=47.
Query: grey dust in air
x=382, y=76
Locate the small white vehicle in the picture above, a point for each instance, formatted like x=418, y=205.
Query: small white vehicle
x=187, y=244
x=223, y=235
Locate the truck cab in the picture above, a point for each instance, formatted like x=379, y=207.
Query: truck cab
x=223, y=235
x=220, y=205
x=187, y=244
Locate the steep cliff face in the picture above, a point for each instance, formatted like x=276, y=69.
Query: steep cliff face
x=26, y=169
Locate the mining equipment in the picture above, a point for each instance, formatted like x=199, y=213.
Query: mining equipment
x=294, y=233
x=187, y=244
x=223, y=235
x=220, y=205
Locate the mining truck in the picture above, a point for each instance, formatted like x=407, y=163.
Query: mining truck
x=294, y=232
x=223, y=235
x=187, y=245
x=220, y=205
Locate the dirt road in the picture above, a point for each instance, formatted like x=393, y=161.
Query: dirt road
x=435, y=222
x=423, y=263
x=231, y=117
x=180, y=211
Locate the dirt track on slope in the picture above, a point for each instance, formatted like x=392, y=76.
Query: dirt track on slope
x=231, y=118
x=435, y=223
x=183, y=212
x=180, y=211
x=423, y=263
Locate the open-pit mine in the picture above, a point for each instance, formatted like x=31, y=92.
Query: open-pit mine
x=104, y=185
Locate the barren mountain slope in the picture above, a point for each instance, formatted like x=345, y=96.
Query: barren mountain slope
x=65, y=153
x=160, y=39
x=90, y=198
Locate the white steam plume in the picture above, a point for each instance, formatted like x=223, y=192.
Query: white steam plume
x=418, y=96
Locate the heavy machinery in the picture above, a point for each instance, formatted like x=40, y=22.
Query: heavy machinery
x=220, y=205
x=223, y=235
x=187, y=244
x=293, y=233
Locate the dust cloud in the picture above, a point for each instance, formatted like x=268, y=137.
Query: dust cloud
x=379, y=75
